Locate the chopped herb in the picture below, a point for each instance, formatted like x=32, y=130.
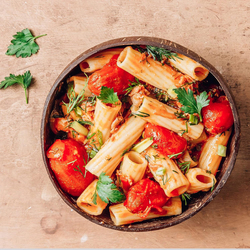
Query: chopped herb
x=184, y=166
x=174, y=155
x=125, y=151
x=185, y=197
x=132, y=85
x=184, y=131
x=78, y=169
x=193, y=120
x=24, y=44
x=190, y=105
x=141, y=114
x=100, y=140
x=82, y=122
x=212, y=188
x=107, y=190
x=159, y=53
x=180, y=115
x=71, y=162
x=107, y=95
x=154, y=146
x=23, y=80
x=108, y=159
x=222, y=151
x=175, y=172
x=208, y=171
x=92, y=154
x=160, y=171
x=73, y=99
x=90, y=136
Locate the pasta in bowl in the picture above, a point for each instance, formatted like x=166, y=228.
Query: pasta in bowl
x=139, y=134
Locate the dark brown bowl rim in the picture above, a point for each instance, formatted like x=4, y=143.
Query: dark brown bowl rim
x=159, y=42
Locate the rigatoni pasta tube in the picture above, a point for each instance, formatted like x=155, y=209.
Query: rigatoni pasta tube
x=98, y=60
x=189, y=67
x=200, y=180
x=103, y=118
x=156, y=112
x=134, y=166
x=80, y=83
x=150, y=71
x=167, y=173
x=209, y=159
x=85, y=200
x=111, y=153
x=121, y=216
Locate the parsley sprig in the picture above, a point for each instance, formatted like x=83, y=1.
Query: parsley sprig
x=190, y=104
x=107, y=190
x=108, y=95
x=185, y=197
x=24, y=44
x=23, y=80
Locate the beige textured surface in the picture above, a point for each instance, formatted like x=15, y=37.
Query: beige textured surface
x=31, y=212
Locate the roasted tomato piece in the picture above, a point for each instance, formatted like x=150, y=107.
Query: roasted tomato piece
x=143, y=196
x=67, y=160
x=217, y=116
x=110, y=76
x=166, y=141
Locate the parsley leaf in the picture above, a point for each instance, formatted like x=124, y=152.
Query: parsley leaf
x=107, y=190
x=108, y=95
x=190, y=105
x=23, y=80
x=24, y=44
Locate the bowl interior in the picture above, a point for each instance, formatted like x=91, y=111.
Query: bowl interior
x=198, y=200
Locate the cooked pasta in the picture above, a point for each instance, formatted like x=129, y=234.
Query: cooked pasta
x=121, y=216
x=148, y=70
x=155, y=112
x=85, y=201
x=110, y=155
x=200, y=180
x=189, y=67
x=141, y=137
x=209, y=159
x=167, y=174
x=133, y=166
x=98, y=60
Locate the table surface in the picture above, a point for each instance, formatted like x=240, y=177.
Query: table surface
x=32, y=215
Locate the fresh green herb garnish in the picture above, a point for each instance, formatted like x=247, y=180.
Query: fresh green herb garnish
x=141, y=114
x=108, y=95
x=24, y=44
x=107, y=190
x=82, y=122
x=78, y=169
x=159, y=53
x=190, y=105
x=132, y=85
x=100, y=140
x=174, y=155
x=23, y=80
x=175, y=172
x=184, y=131
x=212, y=188
x=74, y=100
x=180, y=115
x=147, y=158
x=90, y=136
x=208, y=171
x=185, y=197
x=184, y=166
x=193, y=120
x=92, y=154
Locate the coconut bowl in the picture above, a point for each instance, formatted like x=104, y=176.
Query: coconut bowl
x=199, y=200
